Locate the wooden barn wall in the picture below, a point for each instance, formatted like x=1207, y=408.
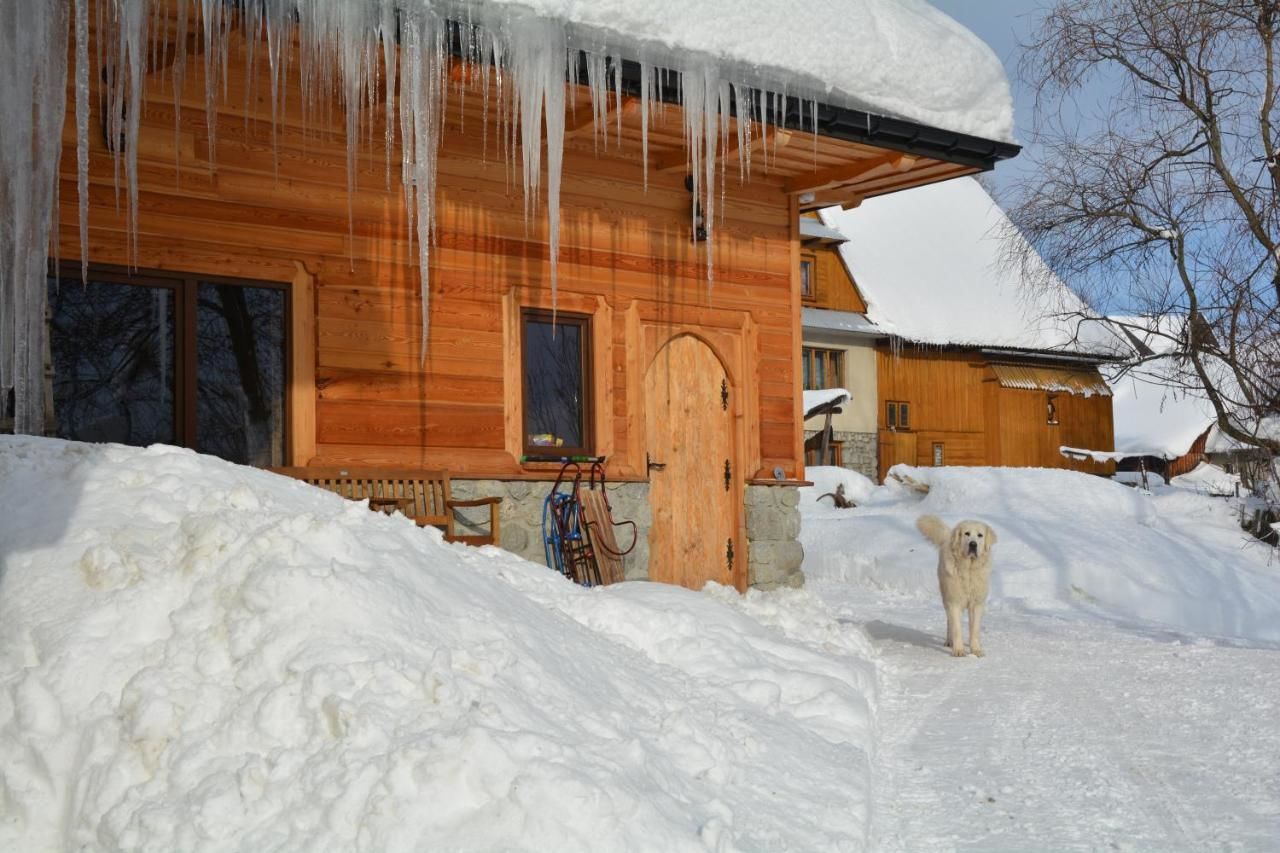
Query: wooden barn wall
x=626, y=256
x=945, y=393
x=955, y=401
x=1028, y=439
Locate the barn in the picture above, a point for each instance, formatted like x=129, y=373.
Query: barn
x=950, y=355
x=476, y=237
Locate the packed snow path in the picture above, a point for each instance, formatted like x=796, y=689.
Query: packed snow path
x=1071, y=734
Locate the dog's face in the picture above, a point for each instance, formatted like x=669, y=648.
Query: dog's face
x=972, y=540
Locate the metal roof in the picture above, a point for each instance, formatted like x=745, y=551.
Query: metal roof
x=1085, y=383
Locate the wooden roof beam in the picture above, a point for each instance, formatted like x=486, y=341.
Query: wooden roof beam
x=584, y=126
x=678, y=158
x=843, y=175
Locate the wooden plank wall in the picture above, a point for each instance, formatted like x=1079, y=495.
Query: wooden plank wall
x=955, y=400
x=945, y=390
x=239, y=207
x=834, y=289
x=1027, y=437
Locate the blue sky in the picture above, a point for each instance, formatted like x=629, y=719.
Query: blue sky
x=1002, y=24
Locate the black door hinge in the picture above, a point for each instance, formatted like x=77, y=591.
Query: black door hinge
x=724, y=394
x=728, y=475
x=728, y=553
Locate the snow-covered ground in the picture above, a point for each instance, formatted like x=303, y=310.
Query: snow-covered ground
x=1128, y=698
x=198, y=656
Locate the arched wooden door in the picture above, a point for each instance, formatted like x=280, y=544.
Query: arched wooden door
x=689, y=429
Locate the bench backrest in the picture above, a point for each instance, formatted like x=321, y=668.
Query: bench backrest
x=425, y=493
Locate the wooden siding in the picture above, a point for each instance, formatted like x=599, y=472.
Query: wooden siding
x=833, y=288
x=265, y=212
x=957, y=401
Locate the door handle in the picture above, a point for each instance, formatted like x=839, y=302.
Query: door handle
x=650, y=465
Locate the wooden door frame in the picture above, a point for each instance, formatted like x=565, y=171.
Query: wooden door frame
x=653, y=338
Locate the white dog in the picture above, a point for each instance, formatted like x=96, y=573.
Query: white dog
x=964, y=574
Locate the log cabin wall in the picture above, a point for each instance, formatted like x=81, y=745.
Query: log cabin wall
x=252, y=207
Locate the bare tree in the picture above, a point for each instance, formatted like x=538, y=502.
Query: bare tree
x=1163, y=201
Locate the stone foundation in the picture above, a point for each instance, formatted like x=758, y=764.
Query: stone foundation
x=773, y=528
x=521, y=517
x=859, y=451
x=772, y=515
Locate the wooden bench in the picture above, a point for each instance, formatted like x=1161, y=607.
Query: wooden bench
x=424, y=496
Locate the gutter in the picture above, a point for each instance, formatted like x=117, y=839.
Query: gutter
x=850, y=125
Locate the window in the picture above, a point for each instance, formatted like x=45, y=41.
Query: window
x=1051, y=406
x=937, y=454
x=158, y=357
x=557, y=382
x=808, y=288
x=897, y=415
x=822, y=368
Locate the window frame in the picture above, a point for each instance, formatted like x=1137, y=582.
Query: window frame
x=894, y=412
x=833, y=358
x=184, y=288
x=809, y=283
x=1051, y=410
x=585, y=350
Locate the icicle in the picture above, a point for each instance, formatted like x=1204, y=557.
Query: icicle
x=616, y=63
x=646, y=101
x=33, y=91
x=82, y=130
x=597, y=84
x=537, y=65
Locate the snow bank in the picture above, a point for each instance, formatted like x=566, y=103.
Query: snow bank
x=1069, y=542
x=826, y=478
x=929, y=263
x=198, y=656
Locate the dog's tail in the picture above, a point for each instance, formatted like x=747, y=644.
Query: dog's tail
x=934, y=529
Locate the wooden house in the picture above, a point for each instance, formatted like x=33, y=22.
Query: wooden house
x=914, y=313
x=265, y=303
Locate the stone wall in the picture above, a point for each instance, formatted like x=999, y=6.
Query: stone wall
x=773, y=527
x=521, y=517
x=859, y=451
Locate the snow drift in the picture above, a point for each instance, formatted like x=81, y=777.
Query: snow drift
x=1069, y=543
x=195, y=655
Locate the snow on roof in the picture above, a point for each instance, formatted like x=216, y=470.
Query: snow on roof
x=900, y=58
x=815, y=400
x=820, y=319
x=927, y=261
x=814, y=228
x=1152, y=419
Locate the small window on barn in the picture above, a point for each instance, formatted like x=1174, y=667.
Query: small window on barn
x=897, y=415
x=808, y=289
x=822, y=368
x=1051, y=406
x=937, y=454
x=557, y=408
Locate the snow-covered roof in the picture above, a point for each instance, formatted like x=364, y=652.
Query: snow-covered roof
x=900, y=58
x=1154, y=419
x=816, y=400
x=815, y=229
x=821, y=319
x=928, y=264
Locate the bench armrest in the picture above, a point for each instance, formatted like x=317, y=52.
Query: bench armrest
x=495, y=523
x=476, y=502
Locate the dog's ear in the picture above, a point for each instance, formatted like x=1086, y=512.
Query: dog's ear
x=992, y=539
x=957, y=540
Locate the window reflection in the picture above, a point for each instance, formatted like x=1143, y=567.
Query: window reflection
x=554, y=387
x=112, y=353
